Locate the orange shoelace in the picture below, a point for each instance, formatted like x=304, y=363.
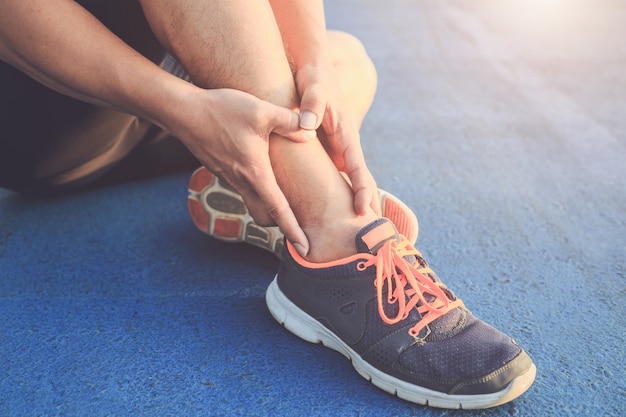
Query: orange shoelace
x=408, y=286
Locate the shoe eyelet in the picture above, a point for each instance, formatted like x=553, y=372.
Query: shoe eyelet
x=414, y=335
x=361, y=266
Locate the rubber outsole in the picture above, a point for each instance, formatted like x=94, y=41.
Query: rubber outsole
x=306, y=327
x=219, y=211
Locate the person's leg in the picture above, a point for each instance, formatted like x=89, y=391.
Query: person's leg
x=159, y=153
x=355, y=73
x=219, y=211
x=238, y=45
x=384, y=308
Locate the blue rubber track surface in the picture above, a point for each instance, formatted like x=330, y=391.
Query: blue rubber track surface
x=501, y=123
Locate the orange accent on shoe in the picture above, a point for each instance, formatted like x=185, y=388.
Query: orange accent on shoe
x=198, y=215
x=227, y=228
x=200, y=179
x=379, y=234
x=395, y=213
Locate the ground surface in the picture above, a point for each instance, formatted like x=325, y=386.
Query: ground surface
x=501, y=123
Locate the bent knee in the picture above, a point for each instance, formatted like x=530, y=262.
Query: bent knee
x=344, y=45
x=348, y=51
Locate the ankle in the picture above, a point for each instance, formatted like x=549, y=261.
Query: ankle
x=334, y=240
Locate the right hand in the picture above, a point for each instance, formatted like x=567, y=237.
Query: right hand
x=229, y=132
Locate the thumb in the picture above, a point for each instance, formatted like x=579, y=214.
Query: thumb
x=286, y=123
x=312, y=108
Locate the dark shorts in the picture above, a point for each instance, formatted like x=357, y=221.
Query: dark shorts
x=50, y=143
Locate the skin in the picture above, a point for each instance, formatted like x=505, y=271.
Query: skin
x=255, y=65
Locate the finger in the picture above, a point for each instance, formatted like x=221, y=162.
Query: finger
x=362, y=197
x=279, y=210
x=362, y=181
x=257, y=210
x=312, y=107
x=286, y=123
x=375, y=202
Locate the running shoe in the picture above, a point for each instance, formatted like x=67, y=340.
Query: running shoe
x=402, y=328
x=219, y=211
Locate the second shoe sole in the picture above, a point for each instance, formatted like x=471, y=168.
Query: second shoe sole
x=219, y=211
x=306, y=327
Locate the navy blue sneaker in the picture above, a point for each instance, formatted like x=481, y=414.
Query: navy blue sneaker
x=401, y=327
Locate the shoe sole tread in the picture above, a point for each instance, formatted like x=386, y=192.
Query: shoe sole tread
x=218, y=210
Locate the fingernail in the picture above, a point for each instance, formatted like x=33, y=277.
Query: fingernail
x=301, y=250
x=308, y=120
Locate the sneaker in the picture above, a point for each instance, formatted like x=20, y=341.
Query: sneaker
x=219, y=211
x=401, y=327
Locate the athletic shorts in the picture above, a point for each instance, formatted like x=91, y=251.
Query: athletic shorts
x=51, y=143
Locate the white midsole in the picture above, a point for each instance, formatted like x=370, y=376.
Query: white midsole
x=306, y=327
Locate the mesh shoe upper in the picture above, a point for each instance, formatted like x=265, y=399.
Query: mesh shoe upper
x=393, y=311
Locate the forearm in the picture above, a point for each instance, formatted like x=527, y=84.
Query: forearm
x=64, y=47
x=303, y=28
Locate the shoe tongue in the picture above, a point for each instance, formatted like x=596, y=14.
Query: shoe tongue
x=374, y=235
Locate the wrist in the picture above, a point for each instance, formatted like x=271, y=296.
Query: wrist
x=167, y=102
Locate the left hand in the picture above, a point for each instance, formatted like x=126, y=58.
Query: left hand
x=322, y=106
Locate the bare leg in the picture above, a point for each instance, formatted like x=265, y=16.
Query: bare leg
x=355, y=72
x=238, y=45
